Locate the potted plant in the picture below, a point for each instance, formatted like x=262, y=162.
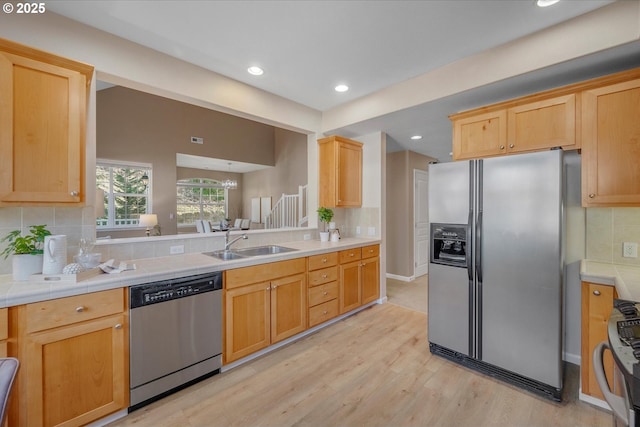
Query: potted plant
x=27, y=251
x=325, y=215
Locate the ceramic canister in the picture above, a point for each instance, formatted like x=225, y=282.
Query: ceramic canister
x=55, y=254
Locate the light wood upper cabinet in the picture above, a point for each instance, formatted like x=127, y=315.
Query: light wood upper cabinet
x=611, y=145
x=340, y=172
x=481, y=135
x=542, y=124
x=597, y=303
x=516, y=127
x=42, y=127
x=73, y=354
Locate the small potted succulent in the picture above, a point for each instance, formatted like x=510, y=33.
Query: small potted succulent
x=325, y=215
x=26, y=250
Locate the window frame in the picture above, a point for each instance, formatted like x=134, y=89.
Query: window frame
x=214, y=184
x=110, y=208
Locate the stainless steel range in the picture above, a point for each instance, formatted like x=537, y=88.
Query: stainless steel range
x=176, y=335
x=623, y=396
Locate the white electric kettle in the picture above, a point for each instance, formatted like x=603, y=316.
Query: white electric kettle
x=55, y=254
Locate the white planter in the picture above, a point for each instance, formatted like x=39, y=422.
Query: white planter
x=24, y=266
x=324, y=236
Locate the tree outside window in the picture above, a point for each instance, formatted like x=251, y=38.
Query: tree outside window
x=200, y=198
x=127, y=189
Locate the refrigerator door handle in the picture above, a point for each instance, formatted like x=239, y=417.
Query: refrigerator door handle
x=479, y=246
x=467, y=255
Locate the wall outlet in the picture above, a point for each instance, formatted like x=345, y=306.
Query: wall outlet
x=358, y=231
x=177, y=249
x=630, y=250
x=371, y=231
x=307, y=236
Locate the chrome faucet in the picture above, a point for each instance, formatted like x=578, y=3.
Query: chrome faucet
x=228, y=243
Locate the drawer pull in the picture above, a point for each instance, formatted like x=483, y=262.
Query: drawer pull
x=351, y=254
x=324, y=276
x=592, y=195
x=596, y=293
x=324, y=293
x=324, y=260
x=74, y=193
x=511, y=145
x=118, y=326
x=80, y=309
x=502, y=147
x=324, y=312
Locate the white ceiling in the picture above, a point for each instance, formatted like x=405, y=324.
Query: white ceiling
x=199, y=162
x=308, y=47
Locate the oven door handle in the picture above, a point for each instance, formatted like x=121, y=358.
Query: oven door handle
x=617, y=403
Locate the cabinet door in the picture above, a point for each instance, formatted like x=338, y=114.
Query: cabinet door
x=542, y=124
x=75, y=374
x=42, y=126
x=370, y=280
x=483, y=135
x=611, y=145
x=597, y=303
x=350, y=290
x=247, y=320
x=349, y=183
x=288, y=307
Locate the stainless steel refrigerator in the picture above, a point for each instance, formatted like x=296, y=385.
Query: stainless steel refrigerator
x=495, y=273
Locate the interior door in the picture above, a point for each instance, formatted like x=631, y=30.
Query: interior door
x=421, y=222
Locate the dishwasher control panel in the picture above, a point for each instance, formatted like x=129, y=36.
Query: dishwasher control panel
x=166, y=290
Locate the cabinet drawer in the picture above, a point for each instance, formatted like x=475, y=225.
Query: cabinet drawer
x=349, y=255
x=323, y=312
x=325, y=275
x=323, y=260
x=370, y=251
x=263, y=273
x=65, y=311
x=323, y=293
x=4, y=324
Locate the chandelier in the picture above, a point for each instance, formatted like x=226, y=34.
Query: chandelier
x=230, y=184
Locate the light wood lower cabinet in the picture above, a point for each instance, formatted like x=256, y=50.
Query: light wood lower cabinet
x=4, y=331
x=597, y=303
x=263, y=305
x=359, y=277
x=323, y=288
x=73, y=353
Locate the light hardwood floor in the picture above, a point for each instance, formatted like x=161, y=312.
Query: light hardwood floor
x=371, y=369
x=411, y=295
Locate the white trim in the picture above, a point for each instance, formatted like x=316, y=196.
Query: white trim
x=572, y=358
x=108, y=162
x=593, y=400
x=402, y=278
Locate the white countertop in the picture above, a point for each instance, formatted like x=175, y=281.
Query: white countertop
x=626, y=278
x=152, y=269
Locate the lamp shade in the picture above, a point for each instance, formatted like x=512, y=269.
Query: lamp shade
x=148, y=220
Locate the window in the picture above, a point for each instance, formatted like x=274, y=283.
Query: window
x=200, y=198
x=127, y=188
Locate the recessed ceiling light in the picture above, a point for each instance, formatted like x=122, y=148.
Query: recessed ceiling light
x=342, y=88
x=416, y=137
x=256, y=71
x=545, y=3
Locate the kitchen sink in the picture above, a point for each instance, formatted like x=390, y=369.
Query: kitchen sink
x=263, y=250
x=249, y=252
x=225, y=255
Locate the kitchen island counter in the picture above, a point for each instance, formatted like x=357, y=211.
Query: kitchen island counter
x=161, y=268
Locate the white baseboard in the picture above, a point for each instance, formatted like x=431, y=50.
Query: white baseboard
x=401, y=278
x=593, y=400
x=572, y=358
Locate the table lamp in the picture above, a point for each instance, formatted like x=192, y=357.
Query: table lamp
x=148, y=220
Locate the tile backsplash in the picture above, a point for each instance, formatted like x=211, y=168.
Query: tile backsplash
x=608, y=229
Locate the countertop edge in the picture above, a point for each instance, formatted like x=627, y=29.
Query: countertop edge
x=625, y=278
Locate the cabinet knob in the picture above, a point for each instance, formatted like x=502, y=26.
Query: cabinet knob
x=324, y=276
x=79, y=309
x=511, y=145
x=268, y=289
x=596, y=293
x=351, y=254
x=324, y=312
x=273, y=287
x=118, y=326
x=592, y=195
x=324, y=260
x=74, y=193
x=324, y=293
x=502, y=147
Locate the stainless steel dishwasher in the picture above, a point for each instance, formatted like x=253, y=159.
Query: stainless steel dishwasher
x=176, y=335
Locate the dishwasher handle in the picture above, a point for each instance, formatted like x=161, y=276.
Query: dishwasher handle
x=618, y=404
